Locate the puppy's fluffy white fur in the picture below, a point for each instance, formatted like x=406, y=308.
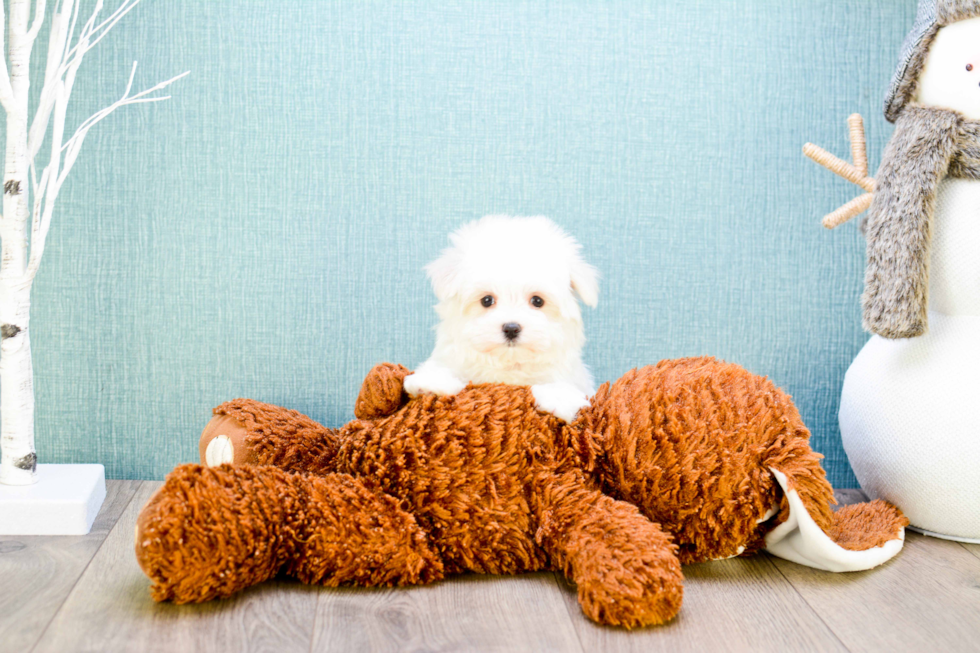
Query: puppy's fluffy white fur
x=504, y=271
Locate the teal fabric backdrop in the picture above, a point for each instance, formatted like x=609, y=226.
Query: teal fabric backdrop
x=263, y=233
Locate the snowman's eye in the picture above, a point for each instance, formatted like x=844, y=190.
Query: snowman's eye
x=969, y=67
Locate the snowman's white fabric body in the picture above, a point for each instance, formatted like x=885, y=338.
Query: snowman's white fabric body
x=910, y=408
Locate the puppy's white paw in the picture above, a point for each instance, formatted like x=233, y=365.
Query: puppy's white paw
x=563, y=400
x=437, y=381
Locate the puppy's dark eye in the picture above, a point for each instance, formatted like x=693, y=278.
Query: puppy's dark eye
x=537, y=302
x=969, y=67
x=487, y=301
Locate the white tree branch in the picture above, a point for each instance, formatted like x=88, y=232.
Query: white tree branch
x=38, y=19
x=65, y=55
x=6, y=92
x=62, y=29
x=95, y=33
x=72, y=145
x=56, y=172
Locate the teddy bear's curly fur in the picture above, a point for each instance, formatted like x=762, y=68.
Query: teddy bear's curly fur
x=669, y=465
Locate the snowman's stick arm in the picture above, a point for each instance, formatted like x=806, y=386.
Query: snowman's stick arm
x=839, y=167
x=856, y=173
x=852, y=209
x=859, y=144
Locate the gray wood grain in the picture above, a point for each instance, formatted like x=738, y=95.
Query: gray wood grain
x=742, y=604
x=95, y=598
x=110, y=609
x=467, y=613
x=927, y=598
x=37, y=573
x=972, y=548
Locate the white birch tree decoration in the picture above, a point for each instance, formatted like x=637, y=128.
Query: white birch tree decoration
x=25, y=223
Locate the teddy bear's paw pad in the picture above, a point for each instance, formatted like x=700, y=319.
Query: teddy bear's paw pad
x=219, y=451
x=861, y=537
x=223, y=442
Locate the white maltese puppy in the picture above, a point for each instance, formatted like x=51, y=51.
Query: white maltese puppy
x=507, y=292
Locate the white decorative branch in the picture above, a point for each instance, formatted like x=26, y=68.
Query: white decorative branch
x=47, y=188
x=21, y=257
x=38, y=19
x=6, y=93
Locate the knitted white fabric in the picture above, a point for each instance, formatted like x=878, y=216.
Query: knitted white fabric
x=910, y=427
x=954, y=269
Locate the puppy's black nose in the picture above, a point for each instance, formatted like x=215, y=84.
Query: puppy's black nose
x=511, y=330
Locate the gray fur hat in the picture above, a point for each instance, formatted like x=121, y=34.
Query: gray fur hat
x=933, y=15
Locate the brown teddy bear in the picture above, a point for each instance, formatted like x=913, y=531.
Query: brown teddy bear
x=687, y=461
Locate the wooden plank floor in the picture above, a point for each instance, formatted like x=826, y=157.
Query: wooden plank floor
x=88, y=594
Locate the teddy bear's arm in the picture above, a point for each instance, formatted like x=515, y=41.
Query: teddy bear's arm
x=244, y=431
x=382, y=392
x=208, y=533
x=625, y=567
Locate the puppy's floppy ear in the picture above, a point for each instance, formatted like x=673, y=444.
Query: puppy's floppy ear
x=444, y=273
x=585, y=281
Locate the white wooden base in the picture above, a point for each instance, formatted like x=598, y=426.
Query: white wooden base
x=64, y=501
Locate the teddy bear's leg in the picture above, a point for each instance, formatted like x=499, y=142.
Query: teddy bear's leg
x=208, y=533
x=625, y=567
x=253, y=433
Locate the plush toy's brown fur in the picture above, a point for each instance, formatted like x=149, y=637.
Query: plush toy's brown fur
x=668, y=465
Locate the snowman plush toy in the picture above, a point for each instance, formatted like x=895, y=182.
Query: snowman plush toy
x=911, y=399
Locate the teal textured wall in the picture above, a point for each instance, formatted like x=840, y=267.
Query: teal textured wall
x=263, y=233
